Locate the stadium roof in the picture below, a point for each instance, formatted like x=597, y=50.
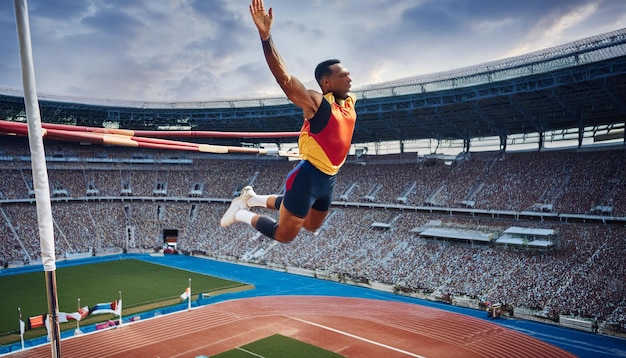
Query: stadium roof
x=579, y=85
x=515, y=230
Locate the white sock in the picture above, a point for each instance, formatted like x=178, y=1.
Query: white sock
x=258, y=200
x=244, y=216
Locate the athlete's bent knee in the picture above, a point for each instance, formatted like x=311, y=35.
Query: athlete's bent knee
x=284, y=239
x=310, y=227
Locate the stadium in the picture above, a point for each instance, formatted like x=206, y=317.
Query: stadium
x=496, y=186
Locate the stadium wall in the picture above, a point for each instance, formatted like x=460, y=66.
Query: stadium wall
x=578, y=323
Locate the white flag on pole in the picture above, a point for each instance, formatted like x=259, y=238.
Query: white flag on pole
x=185, y=294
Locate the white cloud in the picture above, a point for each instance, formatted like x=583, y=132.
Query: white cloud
x=491, y=25
x=185, y=50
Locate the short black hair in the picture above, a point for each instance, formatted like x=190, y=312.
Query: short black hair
x=323, y=69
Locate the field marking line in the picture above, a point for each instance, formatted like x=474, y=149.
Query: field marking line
x=250, y=353
x=357, y=337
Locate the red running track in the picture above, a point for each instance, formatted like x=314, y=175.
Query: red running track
x=351, y=327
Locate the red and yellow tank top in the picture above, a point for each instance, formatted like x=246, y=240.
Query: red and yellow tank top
x=325, y=139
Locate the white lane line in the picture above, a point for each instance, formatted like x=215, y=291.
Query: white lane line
x=250, y=353
x=359, y=338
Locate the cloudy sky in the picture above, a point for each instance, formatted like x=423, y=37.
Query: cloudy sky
x=169, y=50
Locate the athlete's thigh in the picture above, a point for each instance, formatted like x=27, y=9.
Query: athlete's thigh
x=298, y=196
x=314, y=219
x=288, y=225
x=319, y=210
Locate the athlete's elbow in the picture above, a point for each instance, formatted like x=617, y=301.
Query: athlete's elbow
x=283, y=80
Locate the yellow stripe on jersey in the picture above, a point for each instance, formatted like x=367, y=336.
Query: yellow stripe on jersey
x=325, y=139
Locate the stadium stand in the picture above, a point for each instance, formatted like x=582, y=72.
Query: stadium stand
x=582, y=276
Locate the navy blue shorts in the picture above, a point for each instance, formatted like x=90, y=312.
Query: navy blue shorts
x=307, y=187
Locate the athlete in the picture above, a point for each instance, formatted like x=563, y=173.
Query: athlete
x=324, y=142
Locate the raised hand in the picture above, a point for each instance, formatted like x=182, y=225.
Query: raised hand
x=262, y=19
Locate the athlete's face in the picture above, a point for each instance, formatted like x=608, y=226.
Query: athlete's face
x=339, y=81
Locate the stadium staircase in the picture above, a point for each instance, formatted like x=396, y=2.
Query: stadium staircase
x=404, y=197
x=371, y=196
x=346, y=194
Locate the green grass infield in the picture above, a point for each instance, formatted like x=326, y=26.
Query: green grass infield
x=143, y=286
x=277, y=346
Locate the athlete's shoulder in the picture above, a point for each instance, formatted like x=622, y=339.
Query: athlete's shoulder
x=316, y=97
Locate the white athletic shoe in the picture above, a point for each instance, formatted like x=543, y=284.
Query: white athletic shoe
x=239, y=203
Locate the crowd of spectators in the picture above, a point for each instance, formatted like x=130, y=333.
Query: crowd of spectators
x=583, y=276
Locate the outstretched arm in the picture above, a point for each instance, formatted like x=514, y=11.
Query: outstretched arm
x=294, y=89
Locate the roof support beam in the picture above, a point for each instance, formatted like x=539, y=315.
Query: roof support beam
x=445, y=119
x=613, y=97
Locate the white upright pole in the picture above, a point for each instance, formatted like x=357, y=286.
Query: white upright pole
x=120, y=308
x=19, y=310
x=189, y=296
x=78, y=331
x=40, y=173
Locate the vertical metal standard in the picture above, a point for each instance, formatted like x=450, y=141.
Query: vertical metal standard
x=53, y=314
x=39, y=171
